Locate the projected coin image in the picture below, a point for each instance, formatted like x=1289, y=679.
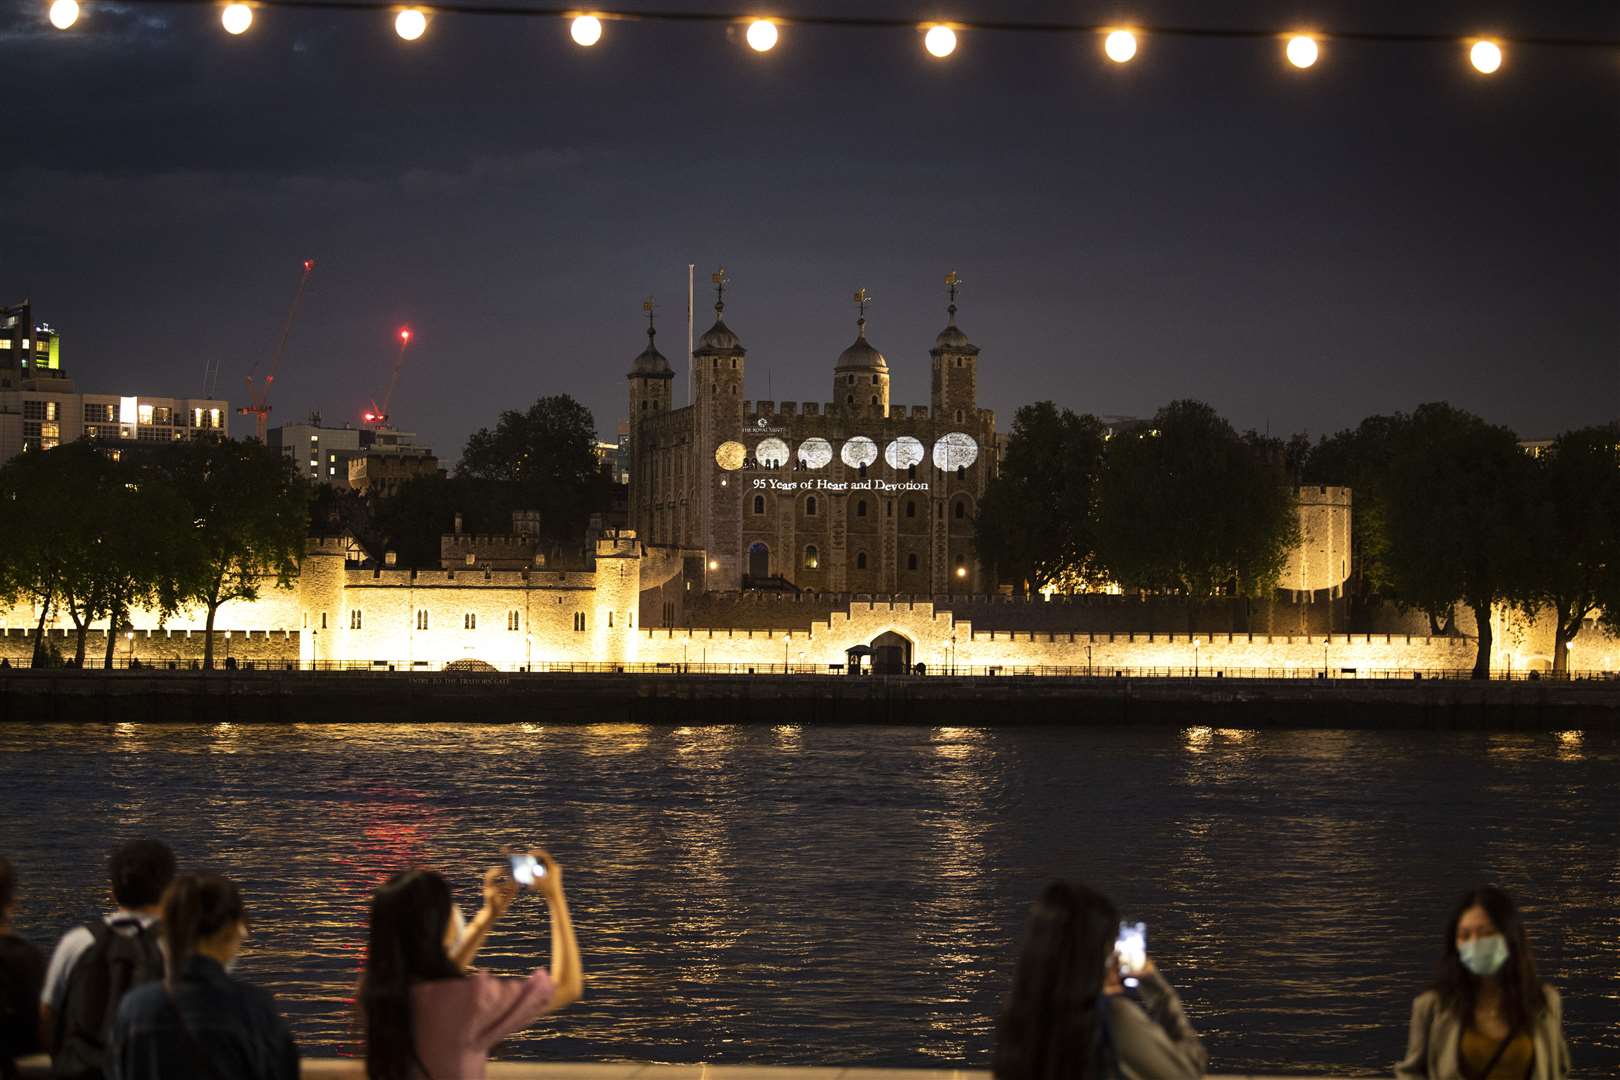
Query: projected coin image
x=729, y=455
x=772, y=453
x=955, y=451
x=815, y=453
x=859, y=451
x=903, y=453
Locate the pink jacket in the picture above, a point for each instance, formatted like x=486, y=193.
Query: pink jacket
x=458, y=1020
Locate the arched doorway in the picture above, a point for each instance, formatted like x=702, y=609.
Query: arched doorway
x=891, y=654
x=759, y=561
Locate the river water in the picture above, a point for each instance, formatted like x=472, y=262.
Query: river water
x=854, y=896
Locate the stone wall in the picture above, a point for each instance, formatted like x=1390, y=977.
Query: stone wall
x=159, y=648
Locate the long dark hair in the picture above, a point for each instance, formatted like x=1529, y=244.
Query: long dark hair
x=1523, y=999
x=1051, y=1027
x=196, y=906
x=408, y=918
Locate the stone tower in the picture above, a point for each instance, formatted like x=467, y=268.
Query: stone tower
x=651, y=383
x=955, y=368
x=861, y=376
x=718, y=365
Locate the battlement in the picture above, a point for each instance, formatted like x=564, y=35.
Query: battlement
x=1322, y=495
x=618, y=544
x=471, y=577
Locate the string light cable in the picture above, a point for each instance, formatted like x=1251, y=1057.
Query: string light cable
x=1486, y=52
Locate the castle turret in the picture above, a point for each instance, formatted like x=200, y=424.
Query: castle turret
x=651, y=383
x=718, y=365
x=955, y=368
x=861, y=376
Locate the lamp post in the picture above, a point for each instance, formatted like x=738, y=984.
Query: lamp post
x=953, y=652
x=1088, y=661
x=786, y=638
x=129, y=636
x=1324, y=657
x=1195, y=658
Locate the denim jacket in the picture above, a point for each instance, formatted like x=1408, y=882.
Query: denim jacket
x=214, y=1027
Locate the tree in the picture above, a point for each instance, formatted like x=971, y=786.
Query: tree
x=1036, y=522
x=548, y=456
x=1454, y=500
x=247, y=508
x=1188, y=507
x=1359, y=458
x=35, y=562
x=1575, y=507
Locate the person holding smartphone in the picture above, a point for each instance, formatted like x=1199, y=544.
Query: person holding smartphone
x=426, y=1014
x=1488, y=1014
x=1071, y=1015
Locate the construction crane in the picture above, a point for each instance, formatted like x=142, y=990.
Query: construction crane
x=377, y=416
x=259, y=396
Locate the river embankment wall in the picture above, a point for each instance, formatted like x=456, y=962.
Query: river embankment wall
x=676, y=698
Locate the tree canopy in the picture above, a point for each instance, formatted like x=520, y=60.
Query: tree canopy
x=546, y=455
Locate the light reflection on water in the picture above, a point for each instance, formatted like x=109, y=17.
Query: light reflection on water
x=813, y=895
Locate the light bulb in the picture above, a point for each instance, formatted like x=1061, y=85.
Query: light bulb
x=410, y=24
x=1486, y=56
x=940, y=41
x=64, y=13
x=1302, y=50
x=236, y=18
x=587, y=30
x=762, y=35
x=1120, y=46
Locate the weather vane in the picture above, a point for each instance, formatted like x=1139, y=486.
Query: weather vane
x=952, y=282
x=862, y=298
x=647, y=305
x=719, y=278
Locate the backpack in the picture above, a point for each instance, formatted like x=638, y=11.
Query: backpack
x=113, y=965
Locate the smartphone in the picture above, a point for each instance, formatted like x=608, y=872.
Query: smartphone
x=1131, y=948
x=526, y=869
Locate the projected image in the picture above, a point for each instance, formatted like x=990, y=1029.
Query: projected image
x=730, y=455
x=859, y=451
x=771, y=453
x=815, y=453
x=955, y=451
x=903, y=453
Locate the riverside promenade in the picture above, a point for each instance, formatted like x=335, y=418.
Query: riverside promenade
x=38, y=1068
x=278, y=697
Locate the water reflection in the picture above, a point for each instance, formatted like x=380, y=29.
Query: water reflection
x=821, y=895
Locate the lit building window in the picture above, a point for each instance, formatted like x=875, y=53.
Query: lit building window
x=144, y=414
x=812, y=558
x=511, y=620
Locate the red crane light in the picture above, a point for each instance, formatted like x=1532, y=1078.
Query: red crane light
x=405, y=335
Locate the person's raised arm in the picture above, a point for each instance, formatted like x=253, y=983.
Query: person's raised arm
x=567, y=977
x=499, y=888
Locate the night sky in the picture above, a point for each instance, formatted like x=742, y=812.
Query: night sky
x=1298, y=249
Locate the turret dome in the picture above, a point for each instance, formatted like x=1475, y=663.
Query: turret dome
x=651, y=363
x=861, y=355
x=719, y=340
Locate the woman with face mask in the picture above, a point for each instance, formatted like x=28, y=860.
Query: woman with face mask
x=200, y=1021
x=425, y=1013
x=1487, y=1016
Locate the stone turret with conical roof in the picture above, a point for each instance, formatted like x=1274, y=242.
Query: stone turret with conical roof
x=954, y=396
x=719, y=364
x=861, y=376
x=651, y=377
x=652, y=382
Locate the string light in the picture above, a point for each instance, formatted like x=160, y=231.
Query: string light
x=410, y=24
x=236, y=18
x=1120, y=46
x=64, y=13
x=940, y=41
x=586, y=30
x=1302, y=51
x=1486, y=56
x=762, y=35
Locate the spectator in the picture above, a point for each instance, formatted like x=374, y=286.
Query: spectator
x=424, y=1012
x=22, y=974
x=1069, y=1016
x=94, y=965
x=199, y=1021
x=1487, y=1015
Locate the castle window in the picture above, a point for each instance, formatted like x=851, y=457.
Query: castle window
x=471, y=559
x=759, y=504
x=812, y=557
x=469, y=621
x=939, y=511
x=810, y=506
x=888, y=507
x=911, y=472
x=860, y=507
x=579, y=621
x=849, y=400
x=874, y=399
x=874, y=378
x=863, y=472
x=961, y=471
x=958, y=416
x=644, y=406
x=669, y=613
x=421, y=619
x=961, y=509
x=610, y=620
x=911, y=561
x=911, y=508
x=511, y=620
x=323, y=620
x=860, y=560
x=354, y=619
x=850, y=379
x=958, y=361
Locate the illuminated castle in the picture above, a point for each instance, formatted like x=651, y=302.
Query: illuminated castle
x=849, y=495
